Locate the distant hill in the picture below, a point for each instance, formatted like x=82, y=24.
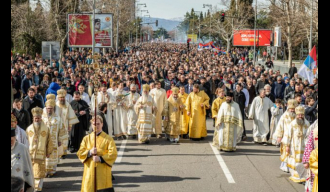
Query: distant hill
x=165, y=23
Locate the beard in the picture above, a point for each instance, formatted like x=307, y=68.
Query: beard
x=292, y=114
x=144, y=97
x=175, y=100
x=133, y=91
x=37, y=124
x=62, y=102
x=301, y=121
x=49, y=114
x=267, y=93
x=228, y=101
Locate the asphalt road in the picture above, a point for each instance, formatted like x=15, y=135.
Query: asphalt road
x=186, y=166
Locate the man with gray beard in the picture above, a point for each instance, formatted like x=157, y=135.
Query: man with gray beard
x=296, y=140
x=41, y=146
x=281, y=131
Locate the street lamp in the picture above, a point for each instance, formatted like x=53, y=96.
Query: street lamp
x=136, y=36
x=210, y=6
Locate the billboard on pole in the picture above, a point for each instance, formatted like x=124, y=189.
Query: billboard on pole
x=246, y=37
x=193, y=37
x=80, y=30
x=277, y=37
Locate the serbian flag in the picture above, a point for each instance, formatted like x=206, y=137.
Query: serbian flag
x=309, y=67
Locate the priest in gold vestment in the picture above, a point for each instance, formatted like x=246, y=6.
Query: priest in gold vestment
x=67, y=115
x=41, y=146
x=314, y=166
x=103, y=156
x=173, y=113
x=145, y=107
x=58, y=134
x=229, y=124
x=298, y=132
x=184, y=118
x=215, y=110
x=282, y=129
x=196, y=105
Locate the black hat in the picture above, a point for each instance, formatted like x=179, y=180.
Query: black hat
x=229, y=94
x=97, y=20
x=12, y=132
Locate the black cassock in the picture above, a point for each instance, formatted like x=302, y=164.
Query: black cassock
x=78, y=130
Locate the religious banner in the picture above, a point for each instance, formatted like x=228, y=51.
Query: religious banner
x=80, y=30
x=246, y=37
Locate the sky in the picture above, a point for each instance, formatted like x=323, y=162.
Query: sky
x=169, y=9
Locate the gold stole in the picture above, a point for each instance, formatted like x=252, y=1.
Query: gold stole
x=38, y=137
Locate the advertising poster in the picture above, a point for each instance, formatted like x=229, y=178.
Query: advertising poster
x=246, y=37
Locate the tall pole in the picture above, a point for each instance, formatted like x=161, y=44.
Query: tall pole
x=310, y=33
x=93, y=31
x=255, y=25
x=199, y=31
x=117, y=27
x=50, y=55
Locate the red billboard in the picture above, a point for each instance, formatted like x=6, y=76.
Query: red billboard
x=246, y=37
x=80, y=30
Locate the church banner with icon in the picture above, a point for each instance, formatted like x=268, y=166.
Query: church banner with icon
x=80, y=30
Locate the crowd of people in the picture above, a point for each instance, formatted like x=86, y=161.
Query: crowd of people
x=160, y=90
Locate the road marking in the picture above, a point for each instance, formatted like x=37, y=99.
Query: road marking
x=121, y=151
x=222, y=165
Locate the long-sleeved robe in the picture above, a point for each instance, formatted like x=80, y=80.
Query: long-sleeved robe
x=215, y=110
x=282, y=132
x=131, y=114
x=276, y=115
x=78, y=130
x=259, y=113
x=184, y=118
x=106, y=148
x=120, y=113
x=58, y=134
x=197, y=122
x=314, y=166
x=296, y=141
x=110, y=105
x=21, y=136
x=229, y=125
x=145, y=117
x=174, y=111
x=69, y=118
x=21, y=165
x=41, y=145
x=159, y=97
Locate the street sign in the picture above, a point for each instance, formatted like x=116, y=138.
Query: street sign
x=50, y=50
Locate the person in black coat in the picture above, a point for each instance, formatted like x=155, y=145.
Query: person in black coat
x=70, y=89
x=278, y=88
x=292, y=70
x=31, y=102
x=78, y=131
x=240, y=99
x=102, y=111
x=310, y=110
x=22, y=116
x=288, y=90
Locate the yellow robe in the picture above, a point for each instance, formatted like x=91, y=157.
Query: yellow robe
x=197, y=122
x=106, y=148
x=41, y=145
x=314, y=166
x=174, y=113
x=215, y=109
x=184, y=118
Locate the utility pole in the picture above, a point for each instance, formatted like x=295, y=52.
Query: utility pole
x=255, y=25
x=117, y=26
x=93, y=31
x=310, y=33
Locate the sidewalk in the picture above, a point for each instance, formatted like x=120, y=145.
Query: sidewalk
x=280, y=65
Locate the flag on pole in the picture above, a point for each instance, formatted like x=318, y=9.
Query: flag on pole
x=309, y=67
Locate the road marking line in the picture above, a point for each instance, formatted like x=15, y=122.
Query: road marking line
x=121, y=151
x=222, y=165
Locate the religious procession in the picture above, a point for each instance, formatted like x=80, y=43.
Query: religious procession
x=165, y=113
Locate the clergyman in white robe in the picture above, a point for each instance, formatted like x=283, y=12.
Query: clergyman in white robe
x=229, y=125
x=259, y=113
x=120, y=113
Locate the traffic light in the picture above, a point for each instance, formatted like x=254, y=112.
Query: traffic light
x=222, y=19
x=156, y=23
